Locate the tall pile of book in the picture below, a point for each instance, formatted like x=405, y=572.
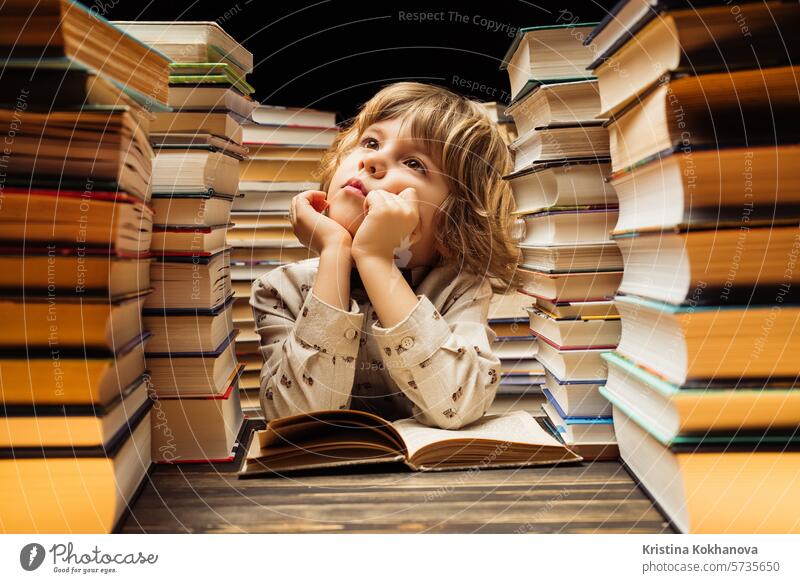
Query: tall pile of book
x=75, y=422
x=521, y=375
x=570, y=268
x=285, y=146
x=191, y=357
x=705, y=151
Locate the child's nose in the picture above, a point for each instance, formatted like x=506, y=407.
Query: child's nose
x=373, y=164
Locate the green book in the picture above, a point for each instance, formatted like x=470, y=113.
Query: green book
x=526, y=29
x=547, y=54
x=211, y=73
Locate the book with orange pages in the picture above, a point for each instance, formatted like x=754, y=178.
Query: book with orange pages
x=739, y=483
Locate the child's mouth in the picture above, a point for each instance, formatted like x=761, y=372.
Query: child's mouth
x=355, y=186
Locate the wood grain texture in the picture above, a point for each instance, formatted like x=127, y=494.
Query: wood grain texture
x=209, y=498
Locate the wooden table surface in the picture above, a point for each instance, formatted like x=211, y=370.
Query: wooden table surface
x=586, y=498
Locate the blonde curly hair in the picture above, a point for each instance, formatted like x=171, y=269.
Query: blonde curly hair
x=475, y=233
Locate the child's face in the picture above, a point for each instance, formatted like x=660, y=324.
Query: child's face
x=386, y=157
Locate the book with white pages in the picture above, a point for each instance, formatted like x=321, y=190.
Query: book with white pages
x=194, y=98
x=194, y=170
x=578, y=398
x=586, y=257
x=190, y=280
x=186, y=208
x=593, y=437
x=197, y=238
x=573, y=365
x=569, y=287
x=188, y=330
x=588, y=142
x=191, y=42
x=193, y=374
x=542, y=54
x=508, y=305
x=282, y=135
x=293, y=116
x=241, y=271
x=567, y=309
x=324, y=439
x=224, y=125
x=246, y=331
x=198, y=429
x=519, y=383
x=260, y=220
x=569, y=226
x=509, y=402
x=255, y=256
x=269, y=197
x=513, y=348
x=576, y=332
x=273, y=238
x=521, y=366
x=200, y=139
x=268, y=187
x=562, y=184
x=554, y=104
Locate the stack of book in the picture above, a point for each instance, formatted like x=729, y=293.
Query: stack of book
x=521, y=374
x=75, y=231
x=569, y=267
x=191, y=357
x=705, y=151
x=285, y=146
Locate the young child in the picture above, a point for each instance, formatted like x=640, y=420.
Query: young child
x=413, y=221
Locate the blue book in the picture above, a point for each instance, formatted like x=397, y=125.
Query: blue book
x=575, y=419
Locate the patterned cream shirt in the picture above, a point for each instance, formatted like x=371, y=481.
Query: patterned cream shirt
x=436, y=365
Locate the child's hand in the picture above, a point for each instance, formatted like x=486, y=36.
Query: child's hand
x=391, y=222
x=315, y=230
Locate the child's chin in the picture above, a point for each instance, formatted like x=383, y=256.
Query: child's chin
x=351, y=223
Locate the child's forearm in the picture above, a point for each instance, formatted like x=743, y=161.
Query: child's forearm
x=391, y=296
x=332, y=284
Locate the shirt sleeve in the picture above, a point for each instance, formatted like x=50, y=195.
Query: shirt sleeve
x=443, y=362
x=309, y=348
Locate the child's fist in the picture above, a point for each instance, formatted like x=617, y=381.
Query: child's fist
x=313, y=229
x=391, y=221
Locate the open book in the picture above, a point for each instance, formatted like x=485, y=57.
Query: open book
x=325, y=439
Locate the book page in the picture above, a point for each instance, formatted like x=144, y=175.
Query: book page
x=518, y=427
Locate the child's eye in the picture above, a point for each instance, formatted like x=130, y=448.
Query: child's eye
x=416, y=165
x=370, y=143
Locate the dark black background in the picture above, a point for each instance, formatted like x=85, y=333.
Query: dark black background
x=334, y=54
